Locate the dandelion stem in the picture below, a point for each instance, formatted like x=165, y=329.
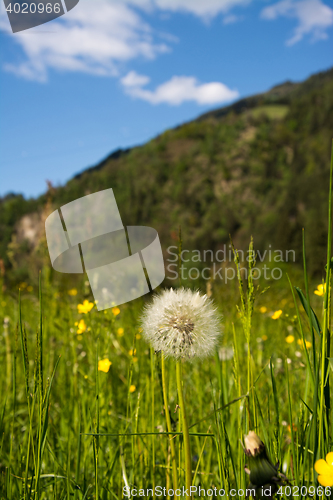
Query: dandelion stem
x=168, y=422
x=186, y=435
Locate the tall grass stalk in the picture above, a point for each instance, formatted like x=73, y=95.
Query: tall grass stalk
x=246, y=311
x=325, y=341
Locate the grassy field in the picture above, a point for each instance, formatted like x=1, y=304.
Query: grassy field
x=82, y=413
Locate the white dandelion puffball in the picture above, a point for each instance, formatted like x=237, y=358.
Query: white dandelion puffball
x=182, y=324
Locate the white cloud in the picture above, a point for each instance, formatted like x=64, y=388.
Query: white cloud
x=202, y=8
x=177, y=90
x=231, y=19
x=132, y=79
x=101, y=36
x=313, y=16
x=95, y=37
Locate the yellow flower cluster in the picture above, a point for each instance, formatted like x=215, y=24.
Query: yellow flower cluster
x=307, y=343
x=81, y=326
x=290, y=339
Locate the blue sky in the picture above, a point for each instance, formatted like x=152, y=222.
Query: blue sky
x=115, y=73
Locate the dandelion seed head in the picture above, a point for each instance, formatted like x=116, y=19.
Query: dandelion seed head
x=182, y=324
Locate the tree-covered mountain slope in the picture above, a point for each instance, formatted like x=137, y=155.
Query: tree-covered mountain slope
x=258, y=167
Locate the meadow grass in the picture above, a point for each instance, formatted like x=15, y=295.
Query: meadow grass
x=69, y=430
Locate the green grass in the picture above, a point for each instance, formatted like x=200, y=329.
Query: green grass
x=273, y=112
x=68, y=430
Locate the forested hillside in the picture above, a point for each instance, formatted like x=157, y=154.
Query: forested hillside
x=258, y=167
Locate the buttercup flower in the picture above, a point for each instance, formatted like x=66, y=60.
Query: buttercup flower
x=277, y=314
x=325, y=470
x=104, y=365
x=120, y=332
x=263, y=309
x=72, y=292
x=85, y=307
x=182, y=324
x=290, y=339
x=321, y=290
x=132, y=388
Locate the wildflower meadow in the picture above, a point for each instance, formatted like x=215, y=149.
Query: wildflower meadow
x=197, y=389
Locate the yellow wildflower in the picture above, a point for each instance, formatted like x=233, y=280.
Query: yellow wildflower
x=307, y=343
x=85, y=307
x=138, y=336
x=131, y=352
x=321, y=290
x=325, y=470
x=290, y=339
x=277, y=314
x=264, y=337
x=115, y=311
x=263, y=309
x=81, y=326
x=135, y=360
x=120, y=332
x=104, y=365
x=132, y=388
x=72, y=292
